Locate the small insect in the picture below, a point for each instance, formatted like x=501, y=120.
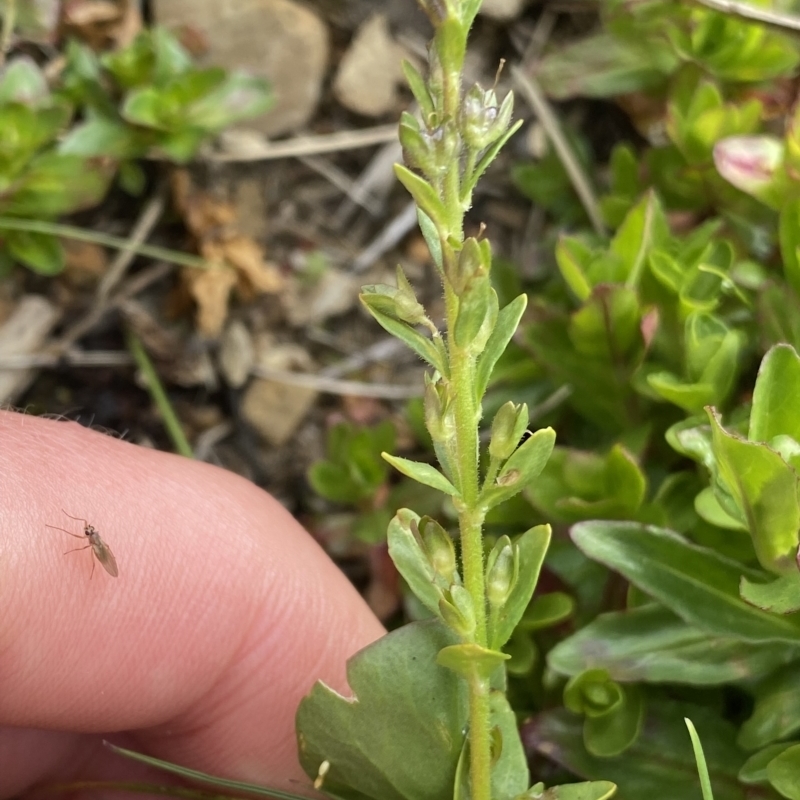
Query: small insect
x=102, y=552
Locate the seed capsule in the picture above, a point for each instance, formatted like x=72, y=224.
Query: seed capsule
x=102, y=552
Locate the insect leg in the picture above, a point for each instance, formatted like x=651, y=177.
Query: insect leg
x=56, y=528
x=79, y=519
x=75, y=549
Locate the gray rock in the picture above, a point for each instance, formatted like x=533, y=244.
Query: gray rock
x=502, y=9
x=370, y=71
x=280, y=40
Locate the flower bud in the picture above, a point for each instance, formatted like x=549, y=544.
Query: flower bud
x=508, y=426
x=473, y=265
x=483, y=121
x=439, y=418
x=439, y=548
x=457, y=611
x=407, y=307
x=429, y=148
x=754, y=164
x=502, y=570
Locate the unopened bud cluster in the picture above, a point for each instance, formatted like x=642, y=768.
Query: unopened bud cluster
x=508, y=426
x=502, y=571
x=483, y=118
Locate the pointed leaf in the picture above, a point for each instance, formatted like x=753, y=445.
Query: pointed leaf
x=573, y=257
x=547, y=610
x=695, y=582
x=418, y=88
x=424, y=473
x=431, y=236
x=40, y=252
x=765, y=489
x=420, y=344
x=776, y=398
x=507, y=321
x=489, y=155
x=410, y=560
x=643, y=227
x=424, y=195
x=532, y=546
x=523, y=466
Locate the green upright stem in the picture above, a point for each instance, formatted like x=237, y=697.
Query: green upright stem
x=470, y=519
x=467, y=413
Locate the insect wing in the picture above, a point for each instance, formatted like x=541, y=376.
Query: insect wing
x=104, y=555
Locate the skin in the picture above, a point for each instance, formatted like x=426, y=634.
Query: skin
x=224, y=614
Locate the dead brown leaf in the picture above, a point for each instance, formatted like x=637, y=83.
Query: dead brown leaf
x=102, y=24
x=248, y=258
x=84, y=262
x=211, y=289
x=81, y=13
x=212, y=223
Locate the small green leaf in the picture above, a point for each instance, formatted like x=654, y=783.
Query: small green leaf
x=507, y=321
x=374, y=302
x=469, y=660
x=573, y=257
x=702, y=767
x=418, y=88
x=424, y=473
x=613, y=713
x=473, y=306
x=100, y=136
x=411, y=561
x=532, y=546
x=608, y=735
x=23, y=81
x=547, y=610
x=776, y=397
x=766, y=491
x=431, y=236
x=424, y=195
x=643, y=228
x=784, y=772
x=604, y=65
x=521, y=468
x=40, y=252
x=489, y=155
